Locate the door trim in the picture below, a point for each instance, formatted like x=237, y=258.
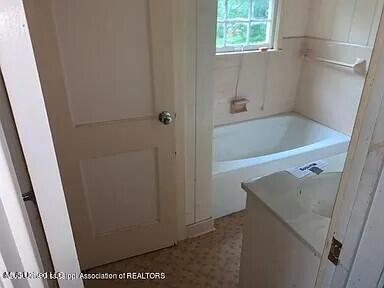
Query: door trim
x=182, y=97
x=26, y=98
x=205, y=65
x=353, y=200
x=198, y=106
x=18, y=248
x=195, y=65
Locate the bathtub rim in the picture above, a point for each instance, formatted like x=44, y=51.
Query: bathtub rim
x=282, y=114
x=324, y=148
x=337, y=140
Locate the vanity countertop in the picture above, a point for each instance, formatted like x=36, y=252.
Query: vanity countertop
x=279, y=193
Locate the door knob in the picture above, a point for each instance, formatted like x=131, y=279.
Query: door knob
x=165, y=117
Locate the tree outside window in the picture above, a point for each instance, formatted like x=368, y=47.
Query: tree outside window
x=244, y=24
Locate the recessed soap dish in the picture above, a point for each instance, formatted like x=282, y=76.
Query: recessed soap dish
x=239, y=105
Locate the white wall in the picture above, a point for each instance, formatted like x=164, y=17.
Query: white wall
x=329, y=94
x=342, y=31
x=286, y=82
x=273, y=75
x=267, y=79
x=351, y=21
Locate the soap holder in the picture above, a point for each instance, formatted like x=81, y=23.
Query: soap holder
x=239, y=105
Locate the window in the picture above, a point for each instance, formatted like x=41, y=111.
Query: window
x=245, y=24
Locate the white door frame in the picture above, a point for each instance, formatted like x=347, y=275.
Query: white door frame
x=199, y=68
x=362, y=171
x=188, y=66
x=369, y=261
x=18, y=249
x=194, y=103
x=205, y=65
x=26, y=97
x=16, y=51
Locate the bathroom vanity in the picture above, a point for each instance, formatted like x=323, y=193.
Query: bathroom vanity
x=287, y=220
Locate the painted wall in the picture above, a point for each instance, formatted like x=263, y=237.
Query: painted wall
x=329, y=94
x=268, y=80
x=270, y=77
x=341, y=31
x=283, y=81
x=351, y=21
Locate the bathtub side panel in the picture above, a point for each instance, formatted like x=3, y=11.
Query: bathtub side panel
x=228, y=197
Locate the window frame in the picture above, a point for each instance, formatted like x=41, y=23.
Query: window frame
x=271, y=32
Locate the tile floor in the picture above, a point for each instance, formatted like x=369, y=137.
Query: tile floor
x=208, y=261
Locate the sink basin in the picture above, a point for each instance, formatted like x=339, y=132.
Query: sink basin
x=318, y=194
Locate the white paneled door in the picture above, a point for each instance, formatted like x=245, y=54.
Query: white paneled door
x=116, y=157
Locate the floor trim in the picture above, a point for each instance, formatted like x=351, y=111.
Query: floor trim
x=200, y=228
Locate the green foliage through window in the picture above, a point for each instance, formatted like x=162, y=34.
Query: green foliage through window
x=244, y=23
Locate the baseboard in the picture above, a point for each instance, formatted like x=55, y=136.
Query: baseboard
x=200, y=228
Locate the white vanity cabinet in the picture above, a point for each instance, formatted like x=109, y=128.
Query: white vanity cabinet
x=286, y=223
x=272, y=255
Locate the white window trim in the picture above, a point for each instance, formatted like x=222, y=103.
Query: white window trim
x=271, y=33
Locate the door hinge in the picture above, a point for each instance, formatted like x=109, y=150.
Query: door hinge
x=334, y=251
x=29, y=196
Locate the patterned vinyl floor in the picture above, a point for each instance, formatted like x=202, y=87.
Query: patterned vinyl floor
x=208, y=261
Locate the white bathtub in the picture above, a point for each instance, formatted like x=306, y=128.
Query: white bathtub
x=257, y=148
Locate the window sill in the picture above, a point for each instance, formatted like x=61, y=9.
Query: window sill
x=269, y=51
